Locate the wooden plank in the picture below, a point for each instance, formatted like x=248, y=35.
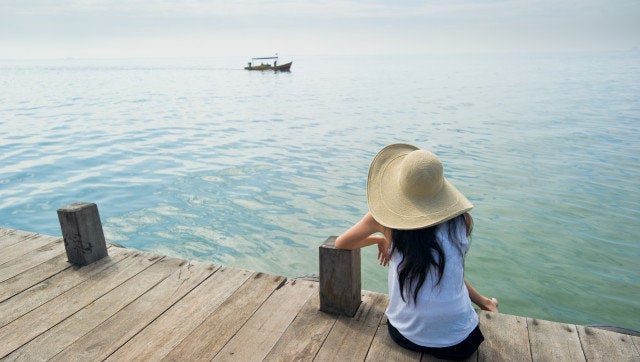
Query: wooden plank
x=12, y=236
x=268, y=323
x=50, y=343
x=34, y=323
x=165, y=333
x=350, y=338
x=41, y=272
x=602, y=345
x=29, y=260
x=33, y=276
x=26, y=244
x=214, y=332
x=305, y=335
x=383, y=348
x=506, y=338
x=110, y=335
x=44, y=291
x=4, y=232
x=552, y=341
x=102, y=310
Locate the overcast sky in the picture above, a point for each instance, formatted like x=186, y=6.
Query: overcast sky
x=147, y=28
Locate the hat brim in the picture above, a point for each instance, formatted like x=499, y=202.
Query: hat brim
x=391, y=207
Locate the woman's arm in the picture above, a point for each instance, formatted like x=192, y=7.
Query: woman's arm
x=361, y=235
x=480, y=300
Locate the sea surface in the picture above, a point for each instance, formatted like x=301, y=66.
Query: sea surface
x=200, y=159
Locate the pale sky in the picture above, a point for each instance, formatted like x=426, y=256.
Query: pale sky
x=193, y=28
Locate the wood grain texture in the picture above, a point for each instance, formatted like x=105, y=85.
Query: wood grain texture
x=268, y=323
x=31, y=259
x=506, y=338
x=214, y=332
x=9, y=237
x=25, y=243
x=636, y=343
x=17, y=283
x=32, y=324
x=554, y=341
x=5, y=231
x=111, y=334
x=82, y=232
x=48, y=289
x=340, y=280
x=54, y=340
x=141, y=306
x=305, y=335
x=165, y=333
x=383, y=348
x=350, y=338
x=602, y=345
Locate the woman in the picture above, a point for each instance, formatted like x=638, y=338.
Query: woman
x=420, y=223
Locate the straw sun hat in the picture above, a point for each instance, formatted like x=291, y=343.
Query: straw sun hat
x=406, y=189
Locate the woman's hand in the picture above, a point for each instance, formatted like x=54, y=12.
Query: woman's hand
x=491, y=305
x=488, y=304
x=383, y=251
x=361, y=235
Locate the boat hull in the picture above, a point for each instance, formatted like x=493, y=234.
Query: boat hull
x=278, y=68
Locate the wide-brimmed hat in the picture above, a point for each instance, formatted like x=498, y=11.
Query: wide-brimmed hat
x=406, y=189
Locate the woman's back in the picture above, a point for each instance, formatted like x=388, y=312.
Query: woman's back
x=442, y=315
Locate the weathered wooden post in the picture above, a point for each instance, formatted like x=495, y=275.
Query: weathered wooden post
x=82, y=232
x=340, y=286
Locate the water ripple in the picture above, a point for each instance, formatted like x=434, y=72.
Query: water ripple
x=198, y=160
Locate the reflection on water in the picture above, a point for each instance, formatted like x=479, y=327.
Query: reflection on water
x=200, y=159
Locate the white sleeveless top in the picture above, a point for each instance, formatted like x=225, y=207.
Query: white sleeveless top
x=443, y=315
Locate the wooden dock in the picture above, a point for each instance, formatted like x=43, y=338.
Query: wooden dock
x=133, y=305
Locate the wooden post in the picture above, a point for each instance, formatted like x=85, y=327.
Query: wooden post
x=82, y=232
x=340, y=286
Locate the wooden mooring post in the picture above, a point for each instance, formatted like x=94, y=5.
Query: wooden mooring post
x=340, y=282
x=82, y=232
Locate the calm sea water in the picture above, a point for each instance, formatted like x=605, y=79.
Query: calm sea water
x=198, y=158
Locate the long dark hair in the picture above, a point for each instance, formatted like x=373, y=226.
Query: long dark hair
x=421, y=252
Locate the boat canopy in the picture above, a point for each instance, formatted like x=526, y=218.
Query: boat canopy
x=264, y=58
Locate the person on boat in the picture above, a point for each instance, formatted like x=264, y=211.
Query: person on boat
x=421, y=225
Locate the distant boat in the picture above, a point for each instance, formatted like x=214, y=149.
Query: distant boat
x=253, y=65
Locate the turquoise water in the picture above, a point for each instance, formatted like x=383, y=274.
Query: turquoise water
x=200, y=159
